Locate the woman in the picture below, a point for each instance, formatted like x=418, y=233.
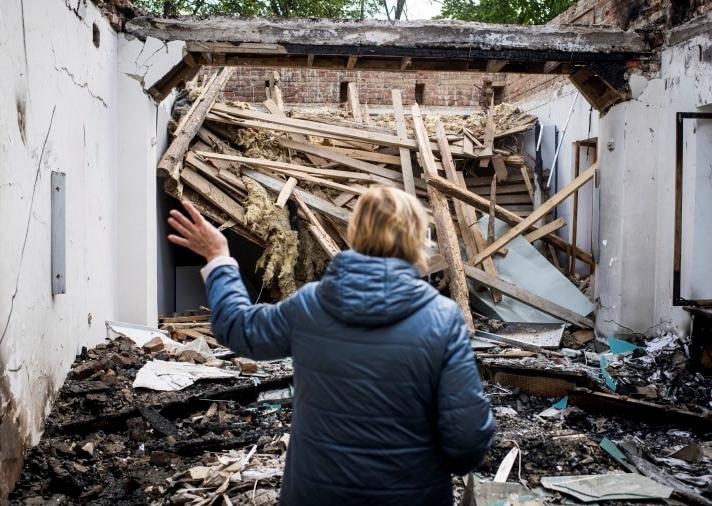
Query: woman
x=388, y=402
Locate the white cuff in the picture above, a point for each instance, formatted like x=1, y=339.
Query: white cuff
x=214, y=264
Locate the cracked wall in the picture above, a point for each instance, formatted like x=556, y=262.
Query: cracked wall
x=69, y=106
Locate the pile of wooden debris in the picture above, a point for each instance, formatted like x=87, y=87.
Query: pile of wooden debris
x=288, y=182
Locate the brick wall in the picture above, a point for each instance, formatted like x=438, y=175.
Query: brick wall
x=299, y=85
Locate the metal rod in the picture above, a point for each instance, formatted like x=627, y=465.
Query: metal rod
x=561, y=140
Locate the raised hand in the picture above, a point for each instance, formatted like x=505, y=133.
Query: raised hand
x=196, y=233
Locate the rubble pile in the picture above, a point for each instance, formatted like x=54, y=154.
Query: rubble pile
x=224, y=441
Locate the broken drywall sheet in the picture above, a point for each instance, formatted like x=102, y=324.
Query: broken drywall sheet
x=524, y=266
x=166, y=376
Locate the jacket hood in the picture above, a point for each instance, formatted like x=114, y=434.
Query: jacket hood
x=372, y=291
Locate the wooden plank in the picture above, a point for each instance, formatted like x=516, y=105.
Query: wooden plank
x=528, y=298
x=445, y=228
x=318, y=231
x=369, y=156
x=335, y=156
x=574, y=212
x=466, y=218
x=354, y=103
x=286, y=192
x=525, y=176
x=273, y=108
x=351, y=62
x=489, y=135
x=482, y=204
x=310, y=60
x=550, y=227
x=405, y=161
x=316, y=128
x=503, y=189
x=172, y=160
x=492, y=206
x=537, y=214
x=405, y=63
x=500, y=169
x=321, y=205
x=213, y=194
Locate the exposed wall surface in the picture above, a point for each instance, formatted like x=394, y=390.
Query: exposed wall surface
x=633, y=206
x=553, y=111
x=320, y=86
x=63, y=108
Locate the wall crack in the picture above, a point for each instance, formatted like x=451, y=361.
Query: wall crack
x=27, y=227
x=84, y=85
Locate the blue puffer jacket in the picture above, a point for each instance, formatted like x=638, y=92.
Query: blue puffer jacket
x=388, y=401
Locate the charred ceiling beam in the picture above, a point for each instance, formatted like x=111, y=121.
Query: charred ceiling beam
x=423, y=45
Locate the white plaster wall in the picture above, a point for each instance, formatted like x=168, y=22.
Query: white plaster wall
x=69, y=106
x=635, y=223
x=553, y=109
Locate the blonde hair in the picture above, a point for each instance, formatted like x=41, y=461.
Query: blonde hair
x=388, y=222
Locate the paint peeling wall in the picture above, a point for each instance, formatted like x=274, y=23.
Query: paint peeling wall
x=633, y=228
x=63, y=107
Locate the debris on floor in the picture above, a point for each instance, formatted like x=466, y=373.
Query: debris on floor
x=223, y=441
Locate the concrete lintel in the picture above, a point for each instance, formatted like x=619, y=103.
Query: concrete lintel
x=402, y=34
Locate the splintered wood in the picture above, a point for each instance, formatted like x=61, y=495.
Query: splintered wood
x=314, y=164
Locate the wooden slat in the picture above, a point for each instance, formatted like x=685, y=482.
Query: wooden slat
x=273, y=108
x=489, y=135
x=492, y=207
x=336, y=156
x=445, y=228
x=500, y=169
x=525, y=176
x=213, y=194
x=369, y=156
x=321, y=205
x=405, y=161
x=550, y=227
x=466, y=218
x=318, y=231
x=286, y=192
x=528, y=298
x=537, y=214
x=482, y=204
x=172, y=160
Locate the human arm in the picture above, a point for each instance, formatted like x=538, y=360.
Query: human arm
x=259, y=331
x=465, y=420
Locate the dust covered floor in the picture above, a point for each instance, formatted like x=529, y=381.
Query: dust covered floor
x=223, y=441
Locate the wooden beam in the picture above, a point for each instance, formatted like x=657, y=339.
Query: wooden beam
x=405, y=63
x=323, y=206
x=537, y=214
x=351, y=62
x=525, y=176
x=318, y=231
x=445, y=228
x=310, y=60
x=482, y=204
x=550, y=227
x=489, y=135
x=500, y=169
x=354, y=103
x=286, y=192
x=528, y=298
x=405, y=161
x=491, y=221
x=213, y=194
x=466, y=218
x=172, y=160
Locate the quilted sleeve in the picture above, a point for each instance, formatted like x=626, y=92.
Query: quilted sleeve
x=257, y=331
x=465, y=420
